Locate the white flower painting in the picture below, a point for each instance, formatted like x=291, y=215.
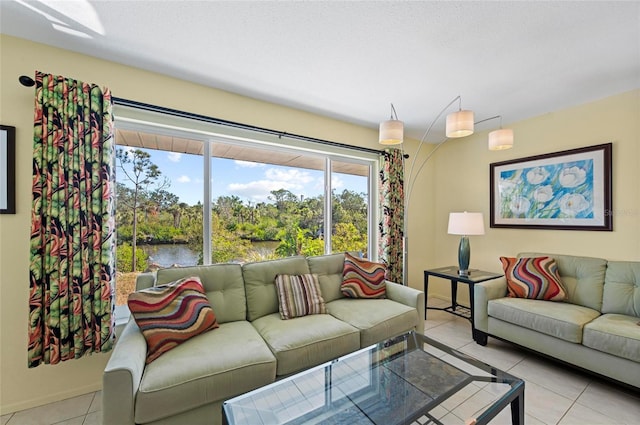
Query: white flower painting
x=563, y=189
x=572, y=176
x=569, y=190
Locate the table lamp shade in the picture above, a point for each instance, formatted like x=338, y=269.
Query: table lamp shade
x=465, y=224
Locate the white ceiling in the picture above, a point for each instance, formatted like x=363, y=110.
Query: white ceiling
x=350, y=59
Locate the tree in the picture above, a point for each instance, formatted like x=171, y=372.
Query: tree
x=177, y=210
x=283, y=199
x=124, y=257
x=225, y=245
x=347, y=238
x=142, y=174
x=163, y=199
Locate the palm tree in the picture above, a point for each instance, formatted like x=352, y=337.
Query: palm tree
x=141, y=173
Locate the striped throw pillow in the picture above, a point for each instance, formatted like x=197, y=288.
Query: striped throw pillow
x=534, y=278
x=299, y=295
x=170, y=314
x=362, y=279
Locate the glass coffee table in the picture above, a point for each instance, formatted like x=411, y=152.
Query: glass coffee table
x=405, y=380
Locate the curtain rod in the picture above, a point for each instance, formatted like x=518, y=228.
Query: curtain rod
x=212, y=120
x=28, y=82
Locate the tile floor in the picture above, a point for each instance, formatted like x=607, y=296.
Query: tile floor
x=554, y=394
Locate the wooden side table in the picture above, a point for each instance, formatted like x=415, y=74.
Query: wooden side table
x=451, y=273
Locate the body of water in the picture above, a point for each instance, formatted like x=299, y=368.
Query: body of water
x=167, y=255
x=170, y=254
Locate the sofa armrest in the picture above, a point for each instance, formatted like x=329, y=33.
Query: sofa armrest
x=482, y=293
x=122, y=376
x=145, y=280
x=408, y=296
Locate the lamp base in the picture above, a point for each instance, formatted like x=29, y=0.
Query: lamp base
x=464, y=253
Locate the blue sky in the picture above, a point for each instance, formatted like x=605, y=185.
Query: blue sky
x=248, y=180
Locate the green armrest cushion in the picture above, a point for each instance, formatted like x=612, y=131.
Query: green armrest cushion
x=123, y=375
x=482, y=293
x=410, y=297
x=145, y=281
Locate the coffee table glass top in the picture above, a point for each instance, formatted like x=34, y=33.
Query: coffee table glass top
x=407, y=379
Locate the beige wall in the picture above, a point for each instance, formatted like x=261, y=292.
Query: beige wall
x=456, y=178
x=461, y=183
x=21, y=387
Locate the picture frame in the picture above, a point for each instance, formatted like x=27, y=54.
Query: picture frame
x=7, y=169
x=566, y=190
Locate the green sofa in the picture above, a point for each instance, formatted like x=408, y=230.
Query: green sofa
x=252, y=347
x=596, y=329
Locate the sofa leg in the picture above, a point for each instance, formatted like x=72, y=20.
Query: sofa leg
x=480, y=337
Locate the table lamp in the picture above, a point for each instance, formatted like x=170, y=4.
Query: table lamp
x=465, y=224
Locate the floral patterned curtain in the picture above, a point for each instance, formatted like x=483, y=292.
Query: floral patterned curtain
x=72, y=222
x=392, y=213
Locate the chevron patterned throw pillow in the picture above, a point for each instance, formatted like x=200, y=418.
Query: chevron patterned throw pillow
x=170, y=314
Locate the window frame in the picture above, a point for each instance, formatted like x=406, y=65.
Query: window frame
x=135, y=119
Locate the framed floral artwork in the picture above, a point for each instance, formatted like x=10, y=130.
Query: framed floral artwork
x=567, y=190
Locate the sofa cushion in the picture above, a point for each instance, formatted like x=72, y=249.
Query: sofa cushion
x=362, y=279
x=390, y=319
x=582, y=277
x=260, y=283
x=213, y=366
x=622, y=288
x=534, y=278
x=306, y=341
x=615, y=334
x=222, y=283
x=168, y=315
x=562, y=320
x=329, y=270
x=299, y=295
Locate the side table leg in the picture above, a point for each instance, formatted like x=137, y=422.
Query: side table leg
x=472, y=319
x=454, y=294
x=517, y=410
x=426, y=292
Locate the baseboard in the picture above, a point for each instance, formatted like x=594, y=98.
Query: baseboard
x=50, y=398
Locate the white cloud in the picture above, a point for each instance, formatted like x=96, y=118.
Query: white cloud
x=293, y=180
x=174, y=156
x=289, y=175
x=336, y=182
x=183, y=179
x=260, y=190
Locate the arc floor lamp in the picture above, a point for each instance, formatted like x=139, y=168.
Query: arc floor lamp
x=458, y=124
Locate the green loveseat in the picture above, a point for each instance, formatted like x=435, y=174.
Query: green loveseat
x=596, y=329
x=252, y=347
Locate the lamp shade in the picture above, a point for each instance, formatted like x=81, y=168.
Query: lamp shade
x=466, y=223
x=391, y=132
x=501, y=139
x=459, y=124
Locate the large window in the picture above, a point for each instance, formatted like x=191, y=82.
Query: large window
x=253, y=200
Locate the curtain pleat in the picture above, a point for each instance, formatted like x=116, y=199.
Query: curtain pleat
x=391, y=226
x=72, y=264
